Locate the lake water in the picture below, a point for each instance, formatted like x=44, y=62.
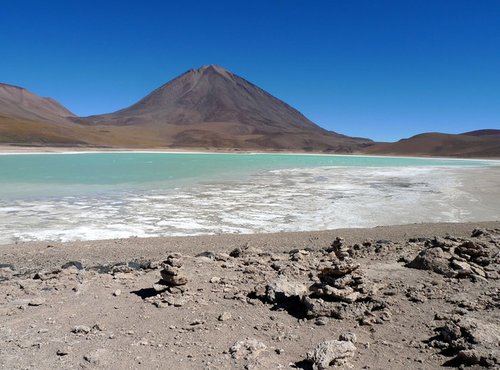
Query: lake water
x=111, y=195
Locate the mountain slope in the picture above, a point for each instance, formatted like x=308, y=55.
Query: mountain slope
x=485, y=132
x=438, y=144
x=23, y=104
x=210, y=94
x=212, y=107
x=205, y=108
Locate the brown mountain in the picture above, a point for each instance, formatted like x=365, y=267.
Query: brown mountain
x=485, y=132
x=212, y=107
x=28, y=119
x=208, y=107
x=438, y=144
x=23, y=104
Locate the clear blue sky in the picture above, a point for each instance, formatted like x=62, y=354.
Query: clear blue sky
x=373, y=68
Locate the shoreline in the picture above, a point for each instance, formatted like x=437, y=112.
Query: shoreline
x=22, y=150
x=51, y=254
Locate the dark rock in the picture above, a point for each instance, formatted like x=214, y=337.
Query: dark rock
x=72, y=264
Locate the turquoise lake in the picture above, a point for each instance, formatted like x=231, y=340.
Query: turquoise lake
x=108, y=195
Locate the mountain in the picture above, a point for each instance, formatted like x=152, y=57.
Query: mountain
x=23, y=104
x=28, y=119
x=210, y=108
x=485, y=132
x=213, y=107
x=205, y=108
x=467, y=145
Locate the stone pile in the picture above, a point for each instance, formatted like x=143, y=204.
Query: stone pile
x=477, y=258
x=171, y=286
x=471, y=341
x=328, y=284
x=340, y=290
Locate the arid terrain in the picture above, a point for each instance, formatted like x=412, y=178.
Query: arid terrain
x=208, y=109
x=475, y=144
x=421, y=296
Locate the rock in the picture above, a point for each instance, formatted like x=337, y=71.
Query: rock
x=478, y=232
x=206, y=254
x=160, y=286
x=175, y=301
x=121, y=268
x=472, y=341
x=463, y=268
x=434, y=259
x=460, y=258
x=247, y=348
x=81, y=329
x=341, y=310
x=321, y=321
x=348, y=337
x=472, y=249
x=38, y=301
x=281, y=289
x=340, y=249
x=94, y=357
x=172, y=272
x=117, y=292
x=46, y=275
x=72, y=264
x=346, y=295
x=174, y=260
x=332, y=352
x=62, y=352
x=224, y=316
x=215, y=280
x=178, y=279
x=236, y=252
x=337, y=270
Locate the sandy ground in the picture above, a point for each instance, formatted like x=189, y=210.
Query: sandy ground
x=256, y=301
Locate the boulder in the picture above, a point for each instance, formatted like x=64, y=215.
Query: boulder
x=247, y=348
x=434, y=259
x=332, y=352
x=280, y=289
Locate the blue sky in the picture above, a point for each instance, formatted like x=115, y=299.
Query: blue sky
x=379, y=69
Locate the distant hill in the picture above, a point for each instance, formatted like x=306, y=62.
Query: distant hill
x=206, y=108
x=486, y=132
x=446, y=145
x=21, y=103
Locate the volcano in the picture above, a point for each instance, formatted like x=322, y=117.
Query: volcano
x=211, y=107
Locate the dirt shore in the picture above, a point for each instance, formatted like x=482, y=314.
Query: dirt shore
x=420, y=296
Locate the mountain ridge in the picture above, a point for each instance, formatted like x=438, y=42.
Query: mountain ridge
x=22, y=103
x=209, y=108
x=441, y=144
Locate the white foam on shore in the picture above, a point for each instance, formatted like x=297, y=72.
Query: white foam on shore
x=279, y=200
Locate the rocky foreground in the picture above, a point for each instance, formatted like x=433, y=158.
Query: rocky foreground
x=418, y=303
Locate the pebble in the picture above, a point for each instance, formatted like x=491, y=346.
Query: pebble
x=224, y=316
x=62, y=352
x=38, y=301
x=81, y=329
